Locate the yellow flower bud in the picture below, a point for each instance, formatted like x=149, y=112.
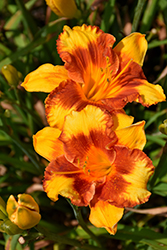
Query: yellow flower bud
x=8, y=227
x=64, y=8
x=24, y=212
x=11, y=74
x=163, y=127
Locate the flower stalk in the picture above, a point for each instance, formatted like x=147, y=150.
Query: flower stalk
x=79, y=217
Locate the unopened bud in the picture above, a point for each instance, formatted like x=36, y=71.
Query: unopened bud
x=24, y=212
x=64, y=8
x=7, y=113
x=12, y=75
x=163, y=127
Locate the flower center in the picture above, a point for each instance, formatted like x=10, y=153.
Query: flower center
x=97, y=164
x=103, y=83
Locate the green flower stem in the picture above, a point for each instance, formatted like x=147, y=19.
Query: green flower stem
x=138, y=12
x=160, y=170
x=78, y=215
x=63, y=239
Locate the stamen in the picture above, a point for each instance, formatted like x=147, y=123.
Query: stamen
x=106, y=88
x=99, y=90
x=70, y=172
x=121, y=71
x=84, y=166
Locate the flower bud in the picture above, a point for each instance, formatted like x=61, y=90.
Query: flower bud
x=11, y=74
x=163, y=127
x=24, y=212
x=64, y=8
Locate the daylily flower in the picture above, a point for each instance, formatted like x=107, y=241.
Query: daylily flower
x=25, y=212
x=94, y=73
x=97, y=160
x=64, y=8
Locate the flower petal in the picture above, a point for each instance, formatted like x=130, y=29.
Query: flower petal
x=130, y=85
x=102, y=214
x=150, y=94
x=45, y=78
x=26, y=218
x=28, y=201
x=58, y=106
x=133, y=47
x=89, y=127
x=47, y=144
x=132, y=136
x=123, y=87
x=11, y=205
x=127, y=183
x=88, y=57
x=62, y=177
x=121, y=119
x=62, y=100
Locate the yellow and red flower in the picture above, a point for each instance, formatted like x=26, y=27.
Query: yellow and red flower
x=97, y=160
x=95, y=151
x=94, y=73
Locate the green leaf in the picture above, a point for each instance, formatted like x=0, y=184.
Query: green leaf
x=156, y=139
x=40, y=38
x=156, y=43
x=149, y=15
x=18, y=164
x=160, y=189
x=142, y=235
x=155, y=117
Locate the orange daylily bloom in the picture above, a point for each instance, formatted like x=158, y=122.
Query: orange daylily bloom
x=94, y=73
x=96, y=161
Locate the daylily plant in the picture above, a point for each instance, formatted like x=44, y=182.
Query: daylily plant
x=94, y=73
x=95, y=151
x=96, y=161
